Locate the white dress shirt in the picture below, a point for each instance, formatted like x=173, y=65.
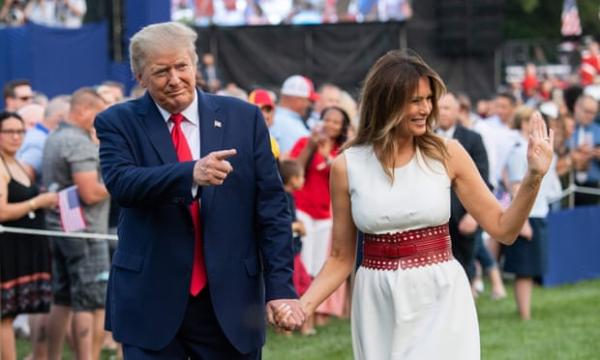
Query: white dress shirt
x=190, y=127
x=498, y=140
x=448, y=134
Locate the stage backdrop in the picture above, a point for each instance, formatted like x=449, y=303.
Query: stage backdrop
x=573, y=246
x=266, y=55
x=343, y=53
x=59, y=61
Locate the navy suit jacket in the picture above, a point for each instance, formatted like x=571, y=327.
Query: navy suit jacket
x=463, y=246
x=245, y=223
x=473, y=144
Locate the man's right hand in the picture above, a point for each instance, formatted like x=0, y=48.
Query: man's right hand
x=213, y=168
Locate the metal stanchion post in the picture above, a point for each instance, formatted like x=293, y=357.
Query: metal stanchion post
x=571, y=187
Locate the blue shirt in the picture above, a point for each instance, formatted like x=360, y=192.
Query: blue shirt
x=32, y=149
x=498, y=140
x=550, y=188
x=287, y=128
x=591, y=132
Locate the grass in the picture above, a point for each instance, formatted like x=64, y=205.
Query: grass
x=565, y=325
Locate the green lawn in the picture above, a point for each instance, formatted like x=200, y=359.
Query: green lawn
x=565, y=325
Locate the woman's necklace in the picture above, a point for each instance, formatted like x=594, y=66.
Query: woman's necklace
x=13, y=165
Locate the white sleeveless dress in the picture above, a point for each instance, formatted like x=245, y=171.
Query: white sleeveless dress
x=418, y=313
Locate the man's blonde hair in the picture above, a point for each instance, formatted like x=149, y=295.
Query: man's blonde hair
x=157, y=37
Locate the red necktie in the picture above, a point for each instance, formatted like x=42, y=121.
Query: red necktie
x=182, y=148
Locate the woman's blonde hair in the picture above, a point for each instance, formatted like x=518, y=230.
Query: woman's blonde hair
x=386, y=94
x=522, y=114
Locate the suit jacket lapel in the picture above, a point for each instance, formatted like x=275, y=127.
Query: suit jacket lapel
x=157, y=130
x=458, y=133
x=212, y=127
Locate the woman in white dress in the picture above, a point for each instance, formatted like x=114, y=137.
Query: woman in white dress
x=411, y=298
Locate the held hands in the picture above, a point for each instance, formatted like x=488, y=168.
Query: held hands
x=596, y=152
x=286, y=314
x=541, y=146
x=213, y=168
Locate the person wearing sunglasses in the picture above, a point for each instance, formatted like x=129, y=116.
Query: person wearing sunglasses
x=25, y=269
x=17, y=93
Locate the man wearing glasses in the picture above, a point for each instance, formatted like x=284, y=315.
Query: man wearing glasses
x=17, y=93
x=585, y=149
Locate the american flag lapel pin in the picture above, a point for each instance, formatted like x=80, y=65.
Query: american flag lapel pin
x=218, y=124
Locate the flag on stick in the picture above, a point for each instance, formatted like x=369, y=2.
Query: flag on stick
x=71, y=214
x=571, y=25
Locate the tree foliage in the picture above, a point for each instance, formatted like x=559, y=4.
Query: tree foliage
x=541, y=18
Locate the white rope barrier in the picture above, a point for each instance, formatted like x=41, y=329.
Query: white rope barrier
x=15, y=230
x=572, y=189
x=579, y=189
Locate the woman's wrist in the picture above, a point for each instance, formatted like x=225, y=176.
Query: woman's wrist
x=305, y=306
x=532, y=180
x=32, y=205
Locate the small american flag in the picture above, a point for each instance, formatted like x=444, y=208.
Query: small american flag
x=71, y=215
x=571, y=25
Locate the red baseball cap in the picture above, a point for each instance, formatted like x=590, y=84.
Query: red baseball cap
x=260, y=98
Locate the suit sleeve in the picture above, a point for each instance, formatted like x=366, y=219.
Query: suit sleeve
x=273, y=219
x=480, y=157
x=132, y=185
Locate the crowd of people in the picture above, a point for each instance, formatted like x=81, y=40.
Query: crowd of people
x=47, y=145
x=52, y=13
x=277, y=12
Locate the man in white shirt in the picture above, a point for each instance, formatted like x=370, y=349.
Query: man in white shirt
x=297, y=93
x=498, y=136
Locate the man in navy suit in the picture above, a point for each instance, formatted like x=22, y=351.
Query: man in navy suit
x=204, y=231
x=463, y=228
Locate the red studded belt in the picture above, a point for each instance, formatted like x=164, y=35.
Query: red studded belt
x=407, y=249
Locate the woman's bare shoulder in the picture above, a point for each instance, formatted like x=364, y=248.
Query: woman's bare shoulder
x=456, y=156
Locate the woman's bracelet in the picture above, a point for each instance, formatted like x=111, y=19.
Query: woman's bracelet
x=32, y=205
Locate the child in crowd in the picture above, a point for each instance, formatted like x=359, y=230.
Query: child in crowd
x=292, y=175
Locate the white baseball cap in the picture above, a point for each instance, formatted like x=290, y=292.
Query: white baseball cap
x=550, y=109
x=301, y=86
x=593, y=91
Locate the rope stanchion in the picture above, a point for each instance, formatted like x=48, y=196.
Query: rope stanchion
x=15, y=230
x=572, y=189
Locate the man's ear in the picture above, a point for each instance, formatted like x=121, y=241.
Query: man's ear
x=140, y=80
x=9, y=102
